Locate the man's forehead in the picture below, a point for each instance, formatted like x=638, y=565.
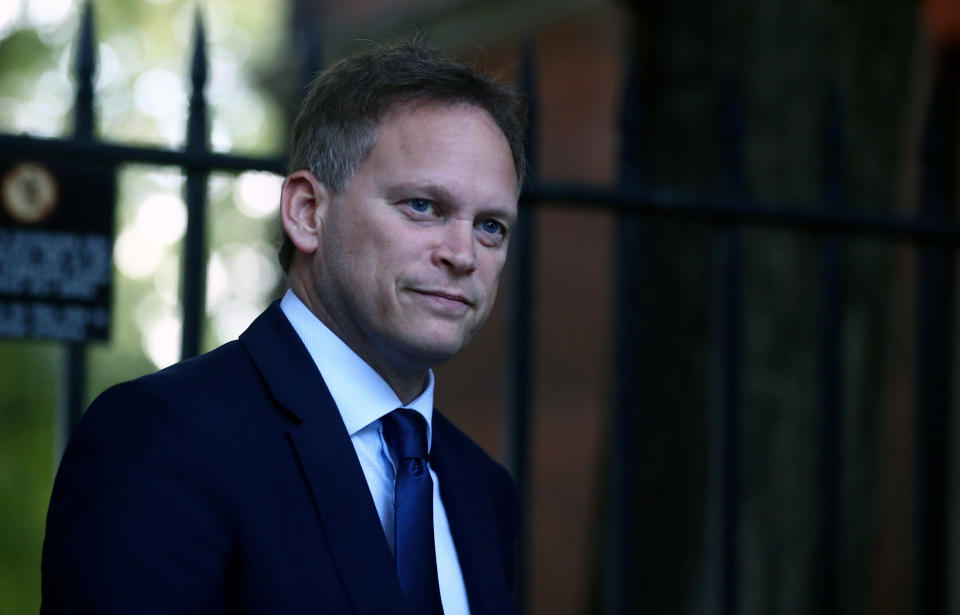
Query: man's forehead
x=425, y=107
x=450, y=146
x=415, y=123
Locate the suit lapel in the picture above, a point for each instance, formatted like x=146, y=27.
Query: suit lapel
x=472, y=522
x=348, y=515
x=329, y=462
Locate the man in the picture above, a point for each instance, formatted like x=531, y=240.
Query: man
x=302, y=468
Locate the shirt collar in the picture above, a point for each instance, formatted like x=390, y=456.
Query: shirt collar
x=361, y=394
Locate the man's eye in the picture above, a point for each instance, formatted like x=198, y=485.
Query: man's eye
x=493, y=227
x=422, y=206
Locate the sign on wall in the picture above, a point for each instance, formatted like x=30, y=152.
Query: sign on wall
x=56, y=238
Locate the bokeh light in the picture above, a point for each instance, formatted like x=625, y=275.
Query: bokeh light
x=239, y=279
x=135, y=254
x=45, y=14
x=161, y=339
x=10, y=11
x=159, y=220
x=234, y=317
x=159, y=92
x=166, y=279
x=257, y=194
x=163, y=216
x=109, y=69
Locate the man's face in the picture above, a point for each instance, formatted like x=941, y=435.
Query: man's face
x=411, y=251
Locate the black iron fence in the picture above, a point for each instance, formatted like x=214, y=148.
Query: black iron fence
x=933, y=232
x=196, y=160
x=633, y=203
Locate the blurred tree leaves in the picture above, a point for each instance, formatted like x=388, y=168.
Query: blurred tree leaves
x=28, y=394
x=36, y=76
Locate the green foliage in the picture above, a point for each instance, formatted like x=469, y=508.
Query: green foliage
x=28, y=381
x=23, y=52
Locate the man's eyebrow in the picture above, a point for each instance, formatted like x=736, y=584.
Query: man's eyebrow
x=426, y=188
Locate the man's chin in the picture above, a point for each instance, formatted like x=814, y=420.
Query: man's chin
x=432, y=352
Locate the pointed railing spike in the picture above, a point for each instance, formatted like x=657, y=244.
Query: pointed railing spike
x=934, y=323
x=832, y=293
x=85, y=67
x=197, y=118
x=528, y=85
x=725, y=416
x=631, y=129
x=306, y=26
x=520, y=372
x=733, y=137
x=621, y=535
x=198, y=65
x=932, y=158
x=195, y=190
x=833, y=149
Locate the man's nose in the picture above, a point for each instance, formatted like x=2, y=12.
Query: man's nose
x=457, y=249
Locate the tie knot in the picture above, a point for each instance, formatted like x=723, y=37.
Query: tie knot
x=406, y=433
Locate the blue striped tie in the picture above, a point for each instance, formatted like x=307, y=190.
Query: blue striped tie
x=406, y=434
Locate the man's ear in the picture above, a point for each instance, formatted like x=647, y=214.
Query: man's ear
x=304, y=201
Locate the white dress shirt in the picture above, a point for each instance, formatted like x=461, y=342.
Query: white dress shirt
x=363, y=398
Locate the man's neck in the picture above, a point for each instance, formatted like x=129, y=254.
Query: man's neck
x=408, y=384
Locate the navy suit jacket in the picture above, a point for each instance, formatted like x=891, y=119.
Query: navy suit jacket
x=228, y=484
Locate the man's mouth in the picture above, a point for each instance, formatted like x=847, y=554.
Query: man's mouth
x=442, y=294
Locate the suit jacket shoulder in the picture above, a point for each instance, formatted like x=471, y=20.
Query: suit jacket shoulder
x=183, y=491
x=228, y=483
x=139, y=497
